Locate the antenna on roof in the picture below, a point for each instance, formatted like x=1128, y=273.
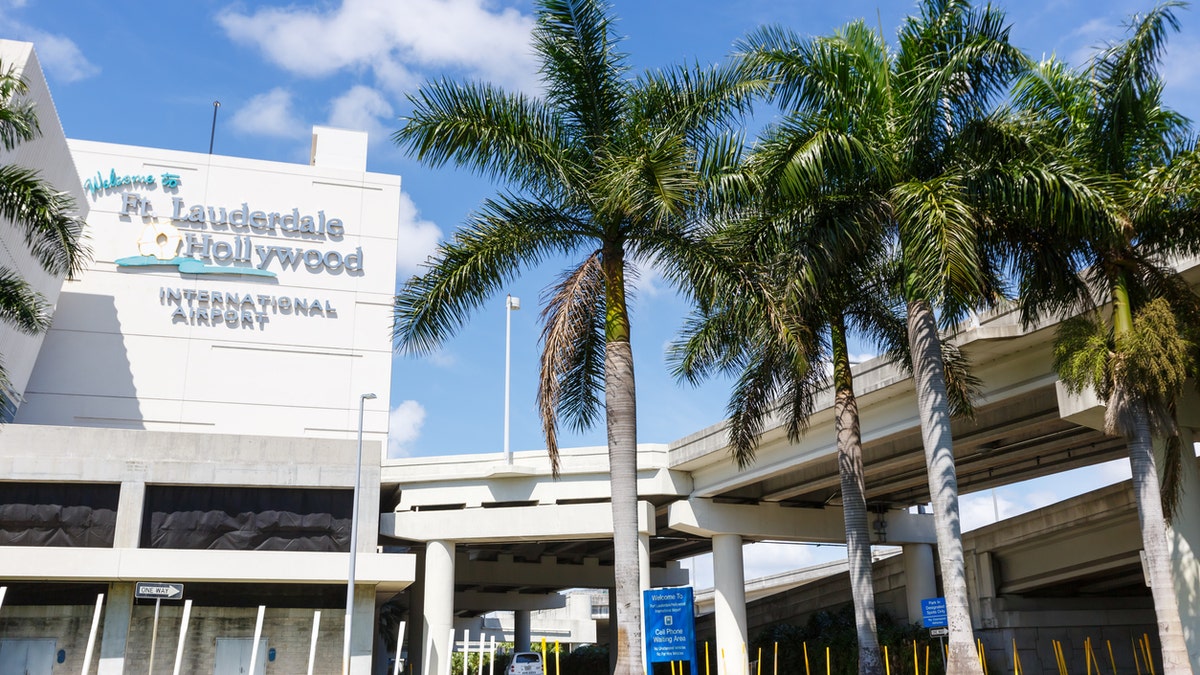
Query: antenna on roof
x=213, y=134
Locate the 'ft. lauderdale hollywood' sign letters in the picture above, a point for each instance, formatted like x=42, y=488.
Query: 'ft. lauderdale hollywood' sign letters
x=233, y=241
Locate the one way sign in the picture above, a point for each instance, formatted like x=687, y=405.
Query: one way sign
x=152, y=590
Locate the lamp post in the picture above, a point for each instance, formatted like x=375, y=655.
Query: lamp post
x=362, y=400
x=511, y=304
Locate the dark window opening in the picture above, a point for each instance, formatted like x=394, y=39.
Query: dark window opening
x=58, y=514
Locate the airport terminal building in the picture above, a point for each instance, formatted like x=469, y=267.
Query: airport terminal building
x=193, y=417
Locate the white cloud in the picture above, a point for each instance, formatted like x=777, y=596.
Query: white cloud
x=417, y=240
x=361, y=109
x=270, y=114
x=59, y=55
x=392, y=39
x=404, y=426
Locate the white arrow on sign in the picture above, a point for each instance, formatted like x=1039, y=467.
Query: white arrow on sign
x=145, y=589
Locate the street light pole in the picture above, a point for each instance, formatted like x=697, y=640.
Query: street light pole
x=511, y=304
x=362, y=400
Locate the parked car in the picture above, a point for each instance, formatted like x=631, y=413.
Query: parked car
x=526, y=663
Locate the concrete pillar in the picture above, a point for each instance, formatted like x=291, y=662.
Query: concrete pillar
x=362, y=639
x=522, y=635
x=919, y=579
x=1183, y=542
x=729, y=603
x=416, y=617
x=118, y=610
x=130, y=504
x=439, y=607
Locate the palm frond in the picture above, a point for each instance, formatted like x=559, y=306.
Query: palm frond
x=53, y=231
x=582, y=70
x=21, y=306
x=506, y=235
x=497, y=134
x=572, y=369
x=18, y=117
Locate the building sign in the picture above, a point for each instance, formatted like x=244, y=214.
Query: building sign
x=237, y=241
x=670, y=625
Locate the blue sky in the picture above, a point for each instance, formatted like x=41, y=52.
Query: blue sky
x=148, y=73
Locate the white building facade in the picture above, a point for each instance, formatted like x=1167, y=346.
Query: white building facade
x=193, y=415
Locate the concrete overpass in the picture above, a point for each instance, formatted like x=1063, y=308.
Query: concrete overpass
x=488, y=527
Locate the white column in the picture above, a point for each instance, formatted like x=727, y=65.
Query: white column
x=729, y=602
x=522, y=634
x=439, y=607
x=118, y=610
x=919, y=580
x=362, y=642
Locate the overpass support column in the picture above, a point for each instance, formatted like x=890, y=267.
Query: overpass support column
x=729, y=600
x=439, y=607
x=522, y=634
x=919, y=580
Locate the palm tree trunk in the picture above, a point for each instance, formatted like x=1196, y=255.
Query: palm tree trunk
x=934, y=412
x=1148, y=496
x=854, y=503
x=620, y=401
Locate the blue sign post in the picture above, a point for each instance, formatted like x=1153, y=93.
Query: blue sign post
x=670, y=625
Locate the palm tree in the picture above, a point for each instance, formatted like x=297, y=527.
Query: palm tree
x=604, y=167
x=53, y=231
x=773, y=327
x=915, y=129
x=774, y=318
x=1109, y=117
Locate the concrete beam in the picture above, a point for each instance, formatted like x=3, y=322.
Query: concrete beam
x=390, y=571
x=706, y=518
x=476, y=601
x=512, y=523
x=549, y=573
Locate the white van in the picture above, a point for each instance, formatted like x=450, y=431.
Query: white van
x=526, y=663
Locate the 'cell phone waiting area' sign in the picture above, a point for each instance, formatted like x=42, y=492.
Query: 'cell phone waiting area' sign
x=670, y=625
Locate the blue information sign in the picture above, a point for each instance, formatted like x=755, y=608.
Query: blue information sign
x=670, y=625
x=933, y=612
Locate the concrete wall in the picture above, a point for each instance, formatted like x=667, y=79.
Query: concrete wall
x=50, y=155
x=288, y=631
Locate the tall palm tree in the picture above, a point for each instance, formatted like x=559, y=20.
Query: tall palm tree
x=915, y=127
x=1110, y=118
x=799, y=276
x=602, y=166
x=53, y=232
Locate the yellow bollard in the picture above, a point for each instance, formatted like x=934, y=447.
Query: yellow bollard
x=1111, y=659
x=886, y=663
x=982, y=660
x=707, y=668
x=543, y=654
x=775, y=670
x=828, y=666
x=806, y=670
x=1087, y=655
x=558, y=650
x=672, y=668
x=916, y=663
x=1149, y=654
x=759, y=669
x=926, y=659
x=1016, y=659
